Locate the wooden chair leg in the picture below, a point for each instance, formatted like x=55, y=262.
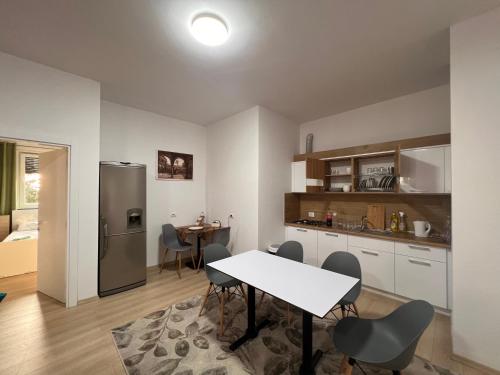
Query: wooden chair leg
x=355, y=309
x=342, y=307
x=178, y=259
x=163, y=265
x=192, y=258
x=346, y=366
x=199, y=260
x=244, y=294
x=206, y=299
x=221, y=313
x=261, y=299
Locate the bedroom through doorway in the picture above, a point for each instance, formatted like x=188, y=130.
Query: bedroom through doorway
x=33, y=219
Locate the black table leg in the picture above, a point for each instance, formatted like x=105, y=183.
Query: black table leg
x=252, y=330
x=309, y=360
x=198, y=254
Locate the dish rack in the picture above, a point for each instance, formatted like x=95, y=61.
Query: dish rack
x=378, y=182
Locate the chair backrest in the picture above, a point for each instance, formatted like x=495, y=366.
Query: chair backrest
x=170, y=237
x=346, y=264
x=212, y=253
x=407, y=324
x=291, y=250
x=221, y=236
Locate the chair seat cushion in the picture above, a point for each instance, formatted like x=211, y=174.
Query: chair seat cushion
x=221, y=279
x=183, y=248
x=366, y=340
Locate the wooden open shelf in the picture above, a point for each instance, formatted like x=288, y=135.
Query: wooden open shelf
x=355, y=163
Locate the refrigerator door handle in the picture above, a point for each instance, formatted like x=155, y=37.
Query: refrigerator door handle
x=103, y=240
x=106, y=240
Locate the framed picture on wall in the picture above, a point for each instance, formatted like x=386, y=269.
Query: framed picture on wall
x=174, y=166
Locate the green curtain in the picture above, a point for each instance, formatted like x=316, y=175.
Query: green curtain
x=7, y=177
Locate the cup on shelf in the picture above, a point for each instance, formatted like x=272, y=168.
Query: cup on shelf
x=348, y=170
x=346, y=188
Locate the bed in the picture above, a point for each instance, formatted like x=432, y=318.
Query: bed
x=18, y=251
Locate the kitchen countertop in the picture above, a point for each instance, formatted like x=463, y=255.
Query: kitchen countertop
x=398, y=237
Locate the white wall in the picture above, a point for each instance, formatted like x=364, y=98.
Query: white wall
x=232, y=176
x=129, y=134
x=415, y=115
x=475, y=140
x=249, y=156
x=45, y=104
x=278, y=142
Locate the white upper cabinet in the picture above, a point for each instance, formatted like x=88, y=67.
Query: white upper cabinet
x=425, y=170
x=299, y=180
x=447, y=169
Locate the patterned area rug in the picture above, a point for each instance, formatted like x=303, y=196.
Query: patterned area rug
x=176, y=341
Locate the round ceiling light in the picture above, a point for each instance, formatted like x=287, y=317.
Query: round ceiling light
x=209, y=29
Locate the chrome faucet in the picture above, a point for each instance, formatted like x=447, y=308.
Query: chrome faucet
x=364, y=223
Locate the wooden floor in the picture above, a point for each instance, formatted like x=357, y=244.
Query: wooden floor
x=40, y=336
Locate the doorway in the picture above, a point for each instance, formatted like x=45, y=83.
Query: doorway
x=34, y=190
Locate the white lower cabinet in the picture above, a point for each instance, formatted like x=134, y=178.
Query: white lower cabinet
x=309, y=240
x=377, y=268
x=329, y=242
x=409, y=270
x=419, y=278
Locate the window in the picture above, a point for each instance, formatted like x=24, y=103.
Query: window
x=29, y=180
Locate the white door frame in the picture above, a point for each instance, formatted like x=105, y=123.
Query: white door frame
x=72, y=203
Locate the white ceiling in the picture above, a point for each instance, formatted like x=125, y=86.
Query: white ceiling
x=304, y=59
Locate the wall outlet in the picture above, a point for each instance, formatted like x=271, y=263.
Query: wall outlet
x=311, y=214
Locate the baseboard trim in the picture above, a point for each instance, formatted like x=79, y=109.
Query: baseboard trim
x=474, y=364
x=87, y=300
x=399, y=298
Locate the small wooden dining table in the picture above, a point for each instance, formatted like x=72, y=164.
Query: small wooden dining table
x=206, y=232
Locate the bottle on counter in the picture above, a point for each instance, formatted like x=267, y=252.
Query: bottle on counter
x=394, y=222
x=402, y=222
x=329, y=219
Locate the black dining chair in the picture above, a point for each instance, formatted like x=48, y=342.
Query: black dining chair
x=172, y=241
x=388, y=343
x=346, y=264
x=221, y=236
x=220, y=283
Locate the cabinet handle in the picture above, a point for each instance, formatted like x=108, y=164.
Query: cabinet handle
x=332, y=234
x=370, y=252
x=419, y=248
x=301, y=230
x=414, y=261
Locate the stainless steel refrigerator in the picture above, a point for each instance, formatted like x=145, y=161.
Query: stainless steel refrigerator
x=122, y=227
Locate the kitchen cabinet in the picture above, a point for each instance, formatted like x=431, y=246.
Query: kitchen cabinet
x=425, y=170
x=447, y=169
x=406, y=269
x=419, y=278
x=308, y=175
x=299, y=177
x=329, y=242
x=309, y=240
x=419, y=251
x=421, y=273
x=377, y=261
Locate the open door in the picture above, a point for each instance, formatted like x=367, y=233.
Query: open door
x=52, y=217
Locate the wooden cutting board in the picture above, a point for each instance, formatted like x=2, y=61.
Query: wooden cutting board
x=376, y=216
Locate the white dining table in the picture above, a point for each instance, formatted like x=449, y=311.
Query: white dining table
x=314, y=290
